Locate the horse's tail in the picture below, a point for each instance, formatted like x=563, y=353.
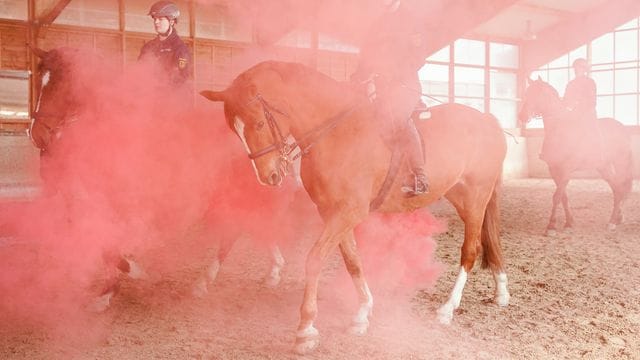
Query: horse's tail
x=490, y=235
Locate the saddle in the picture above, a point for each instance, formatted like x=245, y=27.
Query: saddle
x=398, y=155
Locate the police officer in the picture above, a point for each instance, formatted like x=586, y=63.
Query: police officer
x=580, y=93
x=390, y=57
x=167, y=47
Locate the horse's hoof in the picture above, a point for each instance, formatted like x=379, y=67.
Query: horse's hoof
x=445, y=314
x=503, y=299
x=136, y=271
x=612, y=227
x=307, y=340
x=199, y=290
x=271, y=281
x=568, y=230
x=359, y=328
x=550, y=233
x=101, y=303
x=306, y=345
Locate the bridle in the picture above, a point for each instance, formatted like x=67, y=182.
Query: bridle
x=281, y=144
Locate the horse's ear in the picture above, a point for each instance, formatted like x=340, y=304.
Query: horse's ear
x=37, y=51
x=252, y=90
x=214, y=95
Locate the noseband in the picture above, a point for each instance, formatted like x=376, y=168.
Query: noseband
x=280, y=142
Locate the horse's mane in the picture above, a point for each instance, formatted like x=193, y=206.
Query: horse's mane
x=546, y=87
x=295, y=74
x=291, y=72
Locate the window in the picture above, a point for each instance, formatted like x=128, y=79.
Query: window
x=615, y=67
x=214, y=21
x=469, y=52
x=602, y=49
x=626, y=45
x=90, y=13
x=13, y=9
x=296, y=38
x=434, y=80
x=488, y=87
x=503, y=55
x=469, y=86
x=326, y=42
x=14, y=96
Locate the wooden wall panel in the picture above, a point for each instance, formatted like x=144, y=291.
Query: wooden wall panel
x=13, y=49
x=108, y=44
x=132, y=48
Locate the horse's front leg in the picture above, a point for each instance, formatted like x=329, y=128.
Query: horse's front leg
x=352, y=261
x=277, y=263
x=307, y=337
x=551, y=226
x=568, y=217
x=560, y=178
x=221, y=250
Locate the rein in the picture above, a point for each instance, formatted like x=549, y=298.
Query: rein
x=304, y=144
x=51, y=130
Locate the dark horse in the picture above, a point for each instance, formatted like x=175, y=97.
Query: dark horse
x=346, y=160
x=571, y=145
x=57, y=109
x=55, y=117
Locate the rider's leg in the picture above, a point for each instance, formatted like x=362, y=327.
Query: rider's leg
x=415, y=155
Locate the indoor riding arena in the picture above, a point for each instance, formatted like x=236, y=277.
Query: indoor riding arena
x=337, y=179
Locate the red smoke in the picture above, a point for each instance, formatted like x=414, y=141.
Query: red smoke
x=140, y=168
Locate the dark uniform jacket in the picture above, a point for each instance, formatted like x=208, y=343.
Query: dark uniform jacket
x=394, y=47
x=580, y=96
x=172, y=54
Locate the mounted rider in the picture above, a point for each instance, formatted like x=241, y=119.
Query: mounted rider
x=393, y=51
x=580, y=93
x=167, y=48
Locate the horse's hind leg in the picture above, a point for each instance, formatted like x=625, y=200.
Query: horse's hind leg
x=352, y=261
x=620, y=180
x=568, y=217
x=470, y=204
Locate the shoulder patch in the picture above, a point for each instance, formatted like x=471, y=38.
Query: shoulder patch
x=182, y=63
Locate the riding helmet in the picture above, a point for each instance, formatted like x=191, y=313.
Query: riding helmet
x=164, y=9
x=580, y=62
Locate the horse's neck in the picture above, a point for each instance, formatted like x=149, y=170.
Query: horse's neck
x=319, y=108
x=554, y=112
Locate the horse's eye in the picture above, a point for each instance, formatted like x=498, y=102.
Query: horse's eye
x=260, y=125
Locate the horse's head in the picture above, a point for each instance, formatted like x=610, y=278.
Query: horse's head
x=539, y=99
x=54, y=100
x=255, y=110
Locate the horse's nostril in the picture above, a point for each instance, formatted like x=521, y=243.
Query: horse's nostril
x=274, y=179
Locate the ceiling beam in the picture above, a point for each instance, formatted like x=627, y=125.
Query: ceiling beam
x=449, y=20
x=578, y=29
x=51, y=12
x=47, y=13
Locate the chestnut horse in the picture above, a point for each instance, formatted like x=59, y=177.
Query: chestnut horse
x=345, y=161
x=57, y=108
x=572, y=145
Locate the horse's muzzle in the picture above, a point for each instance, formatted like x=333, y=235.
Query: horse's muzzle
x=275, y=178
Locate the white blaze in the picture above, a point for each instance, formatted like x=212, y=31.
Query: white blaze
x=45, y=81
x=238, y=124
